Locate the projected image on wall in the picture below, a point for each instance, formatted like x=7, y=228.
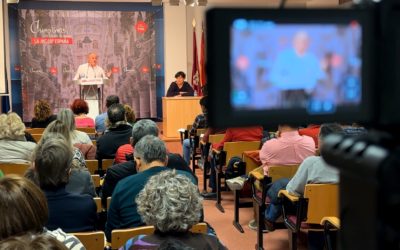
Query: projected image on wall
x=55, y=46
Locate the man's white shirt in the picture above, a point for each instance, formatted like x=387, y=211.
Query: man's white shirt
x=87, y=71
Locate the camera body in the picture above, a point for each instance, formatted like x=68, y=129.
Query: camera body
x=359, y=53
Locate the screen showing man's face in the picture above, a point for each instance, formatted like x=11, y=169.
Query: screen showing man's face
x=316, y=67
x=92, y=60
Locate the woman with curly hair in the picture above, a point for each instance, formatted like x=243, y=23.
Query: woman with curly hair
x=81, y=109
x=43, y=114
x=172, y=204
x=129, y=115
x=14, y=148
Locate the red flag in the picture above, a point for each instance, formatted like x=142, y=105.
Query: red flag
x=203, y=77
x=195, y=68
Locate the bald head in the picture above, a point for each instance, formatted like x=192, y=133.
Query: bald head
x=92, y=59
x=301, y=41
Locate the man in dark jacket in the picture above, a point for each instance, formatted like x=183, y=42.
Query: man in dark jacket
x=118, y=133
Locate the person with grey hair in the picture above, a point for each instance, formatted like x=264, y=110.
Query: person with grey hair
x=119, y=171
x=143, y=127
x=151, y=157
x=68, y=118
x=172, y=204
x=118, y=133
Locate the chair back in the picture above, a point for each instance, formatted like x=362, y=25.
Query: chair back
x=277, y=172
x=92, y=166
x=251, y=164
x=200, y=131
x=35, y=130
x=87, y=130
x=99, y=208
x=120, y=236
x=14, y=168
x=323, y=200
x=37, y=137
x=215, y=138
x=106, y=163
x=91, y=240
x=237, y=148
x=96, y=180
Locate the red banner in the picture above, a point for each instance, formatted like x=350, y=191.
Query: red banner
x=203, y=77
x=51, y=40
x=195, y=68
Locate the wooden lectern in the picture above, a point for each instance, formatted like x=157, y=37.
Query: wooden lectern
x=178, y=112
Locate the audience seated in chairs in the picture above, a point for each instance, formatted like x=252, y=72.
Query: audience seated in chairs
x=100, y=120
x=14, y=148
x=289, y=148
x=52, y=161
x=67, y=117
x=199, y=122
x=118, y=133
x=126, y=149
x=150, y=157
x=80, y=180
x=231, y=135
x=119, y=171
x=30, y=212
x=171, y=203
x=312, y=170
x=80, y=109
x=42, y=114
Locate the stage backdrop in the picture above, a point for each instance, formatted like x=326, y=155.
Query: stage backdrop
x=53, y=43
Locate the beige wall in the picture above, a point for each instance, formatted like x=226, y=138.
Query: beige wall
x=175, y=42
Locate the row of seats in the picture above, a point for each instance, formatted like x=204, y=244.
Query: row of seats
x=320, y=201
x=38, y=132
x=96, y=240
x=94, y=167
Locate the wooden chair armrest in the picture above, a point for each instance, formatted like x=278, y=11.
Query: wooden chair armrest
x=257, y=175
x=285, y=193
x=334, y=221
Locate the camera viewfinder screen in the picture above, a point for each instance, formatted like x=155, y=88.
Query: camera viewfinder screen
x=316, y=67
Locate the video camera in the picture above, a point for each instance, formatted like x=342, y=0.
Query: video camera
x=302, y=66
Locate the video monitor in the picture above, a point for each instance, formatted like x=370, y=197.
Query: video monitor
x=289, y=66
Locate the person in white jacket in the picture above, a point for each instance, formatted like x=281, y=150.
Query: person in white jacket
x=90, y=69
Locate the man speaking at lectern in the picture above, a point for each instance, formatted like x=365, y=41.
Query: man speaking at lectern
x=91, y=93
x=90, y=69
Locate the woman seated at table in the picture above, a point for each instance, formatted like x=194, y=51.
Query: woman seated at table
x=180, y=87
